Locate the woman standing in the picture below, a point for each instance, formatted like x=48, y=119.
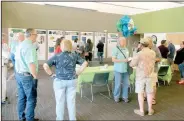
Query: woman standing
x=120, y=57
x=88, y=50
x=57, y=45
x=179, y=60
x=65, y=80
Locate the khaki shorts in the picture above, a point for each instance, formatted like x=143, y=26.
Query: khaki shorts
x=145, y=85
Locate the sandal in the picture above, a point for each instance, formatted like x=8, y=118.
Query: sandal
x=153, y=102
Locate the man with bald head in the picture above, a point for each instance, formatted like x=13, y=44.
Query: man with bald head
x=172, y=51
x=120, y=55
x=14, y=45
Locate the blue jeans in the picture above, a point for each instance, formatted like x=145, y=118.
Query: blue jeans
x=65, y=89
x=12, y=57
x=27, y=96
x=181, y=69
x=121, y=79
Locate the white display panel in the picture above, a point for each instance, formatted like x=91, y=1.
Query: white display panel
x=85, y=36
x=71, y=35
x=99, y=36
x=160, y=37
x=41, y=40
x=53, y=35
x=112, y=42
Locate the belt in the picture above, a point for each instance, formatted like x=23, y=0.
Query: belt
x=25, y=73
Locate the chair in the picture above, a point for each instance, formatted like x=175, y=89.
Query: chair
x=163, y=70
x=99, y=80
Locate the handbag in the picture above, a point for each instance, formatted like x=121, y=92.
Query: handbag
x=129, y=69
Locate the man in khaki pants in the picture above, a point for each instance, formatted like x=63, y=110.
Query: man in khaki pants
x=4, y=58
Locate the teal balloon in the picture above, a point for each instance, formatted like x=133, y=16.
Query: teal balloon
x=118, y=26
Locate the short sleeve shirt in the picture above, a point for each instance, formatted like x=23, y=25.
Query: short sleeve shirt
x=121, y=66
x=25, y=54
x=65, y=64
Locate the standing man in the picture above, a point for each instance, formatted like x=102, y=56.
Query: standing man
x=120, y=57
x=4, y=59
x=170, y=57
x=100, y=52
x=144, y=62
x=157, y=60
x=26, y=65
x=163, y=49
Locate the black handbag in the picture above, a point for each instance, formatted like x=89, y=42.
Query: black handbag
x=129, y=69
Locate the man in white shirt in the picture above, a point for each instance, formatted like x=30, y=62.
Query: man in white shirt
x=4, y=58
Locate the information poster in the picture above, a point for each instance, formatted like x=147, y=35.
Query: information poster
x=112, y=42
x=85, y=36
x=71, y=35
x=99, y=36
x=53, y=35
x=41, y=40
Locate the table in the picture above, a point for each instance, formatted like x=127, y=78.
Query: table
x=88, y=74
x=167, y=77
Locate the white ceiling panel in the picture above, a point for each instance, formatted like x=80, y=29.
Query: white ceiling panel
x=128, y=8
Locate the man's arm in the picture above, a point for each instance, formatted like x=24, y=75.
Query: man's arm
x=32, y=68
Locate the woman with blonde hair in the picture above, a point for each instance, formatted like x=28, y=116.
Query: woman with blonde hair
x=65, y=79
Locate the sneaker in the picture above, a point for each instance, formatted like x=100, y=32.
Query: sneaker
x=117, y=100
x=138, y=112
x=126, y=100
x=151, y=112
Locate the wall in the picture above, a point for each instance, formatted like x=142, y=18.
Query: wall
x=17, y=15
x=164, y=21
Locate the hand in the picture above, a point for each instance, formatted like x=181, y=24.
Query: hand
x=125, y=60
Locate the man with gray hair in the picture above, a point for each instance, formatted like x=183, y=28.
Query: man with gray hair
x=26, y=65
x=4, y=59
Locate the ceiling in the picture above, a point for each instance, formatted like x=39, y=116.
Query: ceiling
x=123, y=8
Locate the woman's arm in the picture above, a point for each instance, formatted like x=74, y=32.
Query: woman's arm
x=47, y=69
x=84, y=65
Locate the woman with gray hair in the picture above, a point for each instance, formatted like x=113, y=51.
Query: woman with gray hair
x=65, y=80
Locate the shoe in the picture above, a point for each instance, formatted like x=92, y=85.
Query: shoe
x=181, y=82
x=154, y=102
x=117, y=100
x=36, y=119
x=138, y=112
x=151, y=112
x=3, y=102
x=126, y=100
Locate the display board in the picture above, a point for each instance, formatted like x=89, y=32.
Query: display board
x=53, y=35
x=85, y=36
x=41, y=40
x=176, y=38
x=71, y=35
x=112, y=42
x=99, y=36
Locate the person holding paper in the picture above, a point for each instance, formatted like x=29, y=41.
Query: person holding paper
x=144, y=62
x=120, y=56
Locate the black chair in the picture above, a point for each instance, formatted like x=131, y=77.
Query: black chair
x=99, y=80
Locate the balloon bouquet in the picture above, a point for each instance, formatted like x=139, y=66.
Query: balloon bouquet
x=126, y=26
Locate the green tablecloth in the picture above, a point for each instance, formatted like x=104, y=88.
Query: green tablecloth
x=89, y=72
x=167, y=77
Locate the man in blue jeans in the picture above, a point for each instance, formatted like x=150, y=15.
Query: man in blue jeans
x=26, y=64
x=120, y=57
x=181, y=69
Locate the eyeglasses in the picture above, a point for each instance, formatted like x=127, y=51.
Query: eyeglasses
x=34, y=34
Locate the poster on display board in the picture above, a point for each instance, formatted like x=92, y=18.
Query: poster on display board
x=112, y=42
x=53, y=35
x=156, y=36
x=71, y=35
x=85, y=36
x=41, y=41
x=99, y=36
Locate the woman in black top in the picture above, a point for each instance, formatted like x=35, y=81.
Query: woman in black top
x=88, y=50
x=179, y=60
x=100, y=52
